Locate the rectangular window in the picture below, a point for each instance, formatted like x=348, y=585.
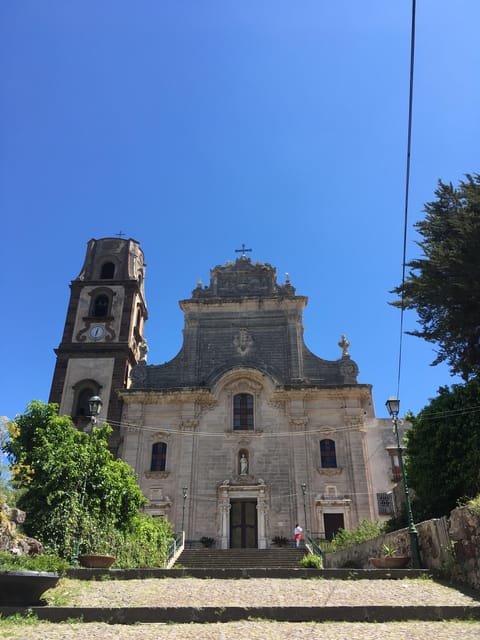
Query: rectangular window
x=385, y=504
x=243, y=411
x=328, y=456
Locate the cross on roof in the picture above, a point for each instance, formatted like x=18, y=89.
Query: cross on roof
x=120, y=234
x=242, y=250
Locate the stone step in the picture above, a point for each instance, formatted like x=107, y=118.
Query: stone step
x=241, y=558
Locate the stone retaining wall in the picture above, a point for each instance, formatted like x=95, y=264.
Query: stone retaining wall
x=451, y=547
x=433, y=541
x=465, y=537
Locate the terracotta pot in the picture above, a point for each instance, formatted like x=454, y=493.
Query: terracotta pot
x=24, y=588
x=96, y=560
x=390, y=562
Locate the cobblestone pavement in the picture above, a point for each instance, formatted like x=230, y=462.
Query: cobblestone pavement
x=192, y=592
x=247, y=630
x=251, y=592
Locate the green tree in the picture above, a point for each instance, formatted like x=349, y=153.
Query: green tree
x=443, y=285
x=443, y=450
x=67, y=478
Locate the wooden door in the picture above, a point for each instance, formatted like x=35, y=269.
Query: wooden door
x=243, y=524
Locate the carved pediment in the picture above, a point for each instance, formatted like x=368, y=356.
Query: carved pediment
x=330, y=471
x=157, y=474
x=243, y=384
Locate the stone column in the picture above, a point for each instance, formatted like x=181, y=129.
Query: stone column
x=262, y=515
x=224, y=503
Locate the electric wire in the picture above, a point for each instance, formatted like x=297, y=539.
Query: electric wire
x=407, y=190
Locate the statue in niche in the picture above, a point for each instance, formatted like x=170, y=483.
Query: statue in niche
x=243, y=465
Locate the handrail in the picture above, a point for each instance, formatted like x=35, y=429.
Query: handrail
x=175, y=547
x=312, y=546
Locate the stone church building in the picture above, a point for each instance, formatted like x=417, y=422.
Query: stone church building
x=245, y=432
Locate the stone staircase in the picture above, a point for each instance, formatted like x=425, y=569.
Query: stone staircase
x=281, y=558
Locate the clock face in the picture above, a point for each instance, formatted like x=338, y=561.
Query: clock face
x=96, y=332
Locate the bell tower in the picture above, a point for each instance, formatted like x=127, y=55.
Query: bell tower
x=103, y=336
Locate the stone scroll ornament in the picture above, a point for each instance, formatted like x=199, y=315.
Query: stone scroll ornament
x=243, y=341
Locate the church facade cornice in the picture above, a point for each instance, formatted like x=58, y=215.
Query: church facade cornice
x=247, y=303
x=201, y=397
x=288, y=393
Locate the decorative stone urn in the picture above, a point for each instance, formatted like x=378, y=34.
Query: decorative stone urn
x=96, y=561
x=25, y=588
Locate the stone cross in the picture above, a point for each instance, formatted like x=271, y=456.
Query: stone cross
x=243, y=251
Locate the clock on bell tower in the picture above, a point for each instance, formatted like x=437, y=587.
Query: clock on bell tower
x=103, y=336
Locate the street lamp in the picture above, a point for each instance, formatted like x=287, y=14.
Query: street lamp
x=304, y=491
x=185, y=493
x=393, y=408
x=95, y=407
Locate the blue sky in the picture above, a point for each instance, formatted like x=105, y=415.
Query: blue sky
x=195, y=126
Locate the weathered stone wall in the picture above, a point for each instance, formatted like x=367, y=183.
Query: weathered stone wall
x=465, y=536
x=433, y=541
x=450, y=546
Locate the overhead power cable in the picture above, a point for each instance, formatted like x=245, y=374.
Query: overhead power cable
x=407, y=188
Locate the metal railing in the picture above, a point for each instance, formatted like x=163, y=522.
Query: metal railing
x=175, y=548
x=312, y=545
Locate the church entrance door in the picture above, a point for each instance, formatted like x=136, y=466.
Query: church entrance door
x=243, y=524
x=333, y=522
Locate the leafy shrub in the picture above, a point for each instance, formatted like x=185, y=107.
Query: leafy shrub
x=41, y=562
x=143, y=544
x=280, y=541
x=71, y=487
x=311, y=561
x=366, y=530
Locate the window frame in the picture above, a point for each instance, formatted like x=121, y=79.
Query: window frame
x=243, y=412
x=158, y=456
x=328, y=454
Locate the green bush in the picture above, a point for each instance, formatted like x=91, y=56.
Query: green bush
x=366, y=530
x=311, y=561
x=143, y=544
x=41, y=562
x=72, y=488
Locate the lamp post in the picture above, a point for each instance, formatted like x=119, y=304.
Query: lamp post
x=304, y=491
x=95, y=407
x=185, y=493
x=393, y=408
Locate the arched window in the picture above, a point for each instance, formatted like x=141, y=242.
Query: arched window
x=159, y=457
x=108, y=271
x=243, y=411
x=328, y=457
x=82, y=409
x=100, y=306
x=83, y=391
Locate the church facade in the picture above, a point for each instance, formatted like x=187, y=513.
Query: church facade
x=245, y=432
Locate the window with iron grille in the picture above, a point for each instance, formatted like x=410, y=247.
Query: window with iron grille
x=385, y=504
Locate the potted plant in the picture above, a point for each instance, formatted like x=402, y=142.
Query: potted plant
x=280, y=541
x=390, y=559
x=24, y=579
x=96, y=546
x=96, y=560
x=207, y=541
